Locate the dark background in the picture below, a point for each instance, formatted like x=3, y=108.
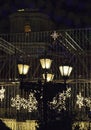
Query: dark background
x=65, y=13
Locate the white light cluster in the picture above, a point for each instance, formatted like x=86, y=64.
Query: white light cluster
x=88, y=102
x=2, y=91
x=83, y=101
x=54, y=35
x=59, y=101
x=80, y=100
x=29, y=104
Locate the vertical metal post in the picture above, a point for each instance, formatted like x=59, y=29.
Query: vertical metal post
x=45, y=100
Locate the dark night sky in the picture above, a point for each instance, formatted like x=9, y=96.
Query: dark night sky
x=68, y=13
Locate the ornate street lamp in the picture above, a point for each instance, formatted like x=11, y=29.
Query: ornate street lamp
x=65, y=71
x=49, y=77
x=45, y=63
x=23, y=69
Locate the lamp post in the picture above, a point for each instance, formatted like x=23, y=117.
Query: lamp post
x=65, y=71
x=46, y=65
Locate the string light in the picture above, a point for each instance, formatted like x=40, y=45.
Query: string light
x=88, y=102
x=30, y=104
x=59, y=101
x=2, y=91
x=83, y=101
x=80, y=100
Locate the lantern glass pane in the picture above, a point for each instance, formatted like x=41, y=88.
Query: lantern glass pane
x=23, y=69
x=48, y=76
x=46, y=63
x=65, y=70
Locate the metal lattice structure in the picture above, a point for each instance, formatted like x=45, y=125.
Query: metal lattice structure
x=73, y=45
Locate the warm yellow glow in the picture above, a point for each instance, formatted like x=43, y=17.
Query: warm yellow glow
x=65, y=70
x=14, y=125
x=49, y=77
x=23, y=69
x=27, y=28
x=46, y=63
